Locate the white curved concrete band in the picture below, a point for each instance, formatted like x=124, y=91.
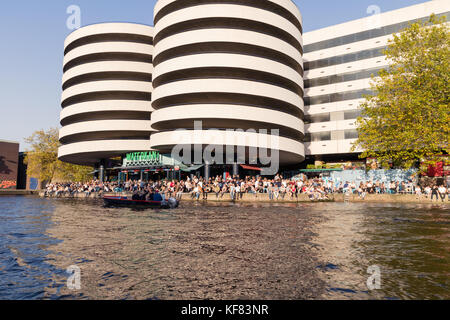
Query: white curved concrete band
x=259, y=86
x=92, y=106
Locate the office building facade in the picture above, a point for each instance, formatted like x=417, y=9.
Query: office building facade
x=339, y=61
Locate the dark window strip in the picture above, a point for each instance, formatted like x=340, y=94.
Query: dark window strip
x=229, y=23
x=106, y=115
x=316, y=118
x=265, y=5
x=107, y=56
x=335, y=115
x=327, y=136
x=107, y=95
x=109, y=37
x=344, y=77
x=317, y=136
x=228, y=98
x=107, y=76
x=334, y=97
x=228, y=47
x=228, y=123
x=104, y=135
x=345, y=58
x=284, y=132
x=228, y=73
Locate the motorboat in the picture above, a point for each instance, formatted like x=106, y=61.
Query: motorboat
x=124, y=201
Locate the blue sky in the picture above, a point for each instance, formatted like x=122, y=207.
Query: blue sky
x=33, y=33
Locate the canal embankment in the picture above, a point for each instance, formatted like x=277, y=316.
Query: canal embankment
x=264, y=198
x=12, y=192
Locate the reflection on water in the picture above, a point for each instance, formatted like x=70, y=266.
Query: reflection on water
x=222, y=251
x=408, y=242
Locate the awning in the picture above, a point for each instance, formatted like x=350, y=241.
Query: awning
x=250, y=168
x=319, y=170
x=190, y=169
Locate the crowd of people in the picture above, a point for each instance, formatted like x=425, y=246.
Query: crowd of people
x=277, y=188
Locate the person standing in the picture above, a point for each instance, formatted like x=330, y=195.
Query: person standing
x=442, y=192
x=223, y=190
x=178, y=191
x=294, y=192
x=216, y=189
x=205, y=190
x=427, y=191
x=270, y=191
x=276, y=191
x=283, y=189
x=418, y=191
x=232, y=191
x=237, y=189
x=434, y=193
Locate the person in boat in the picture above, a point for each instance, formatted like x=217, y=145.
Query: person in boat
x=135, y=195
x=157, y=196
x=141, y=194
x=150, y=194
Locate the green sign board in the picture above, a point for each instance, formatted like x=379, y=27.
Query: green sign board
x=142, y=159
x=143, y=156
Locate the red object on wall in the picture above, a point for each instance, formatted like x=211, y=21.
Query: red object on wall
x=250, y=168
x=437, y=170
x=9, y=161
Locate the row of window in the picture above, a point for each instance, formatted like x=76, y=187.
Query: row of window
x=365, y=35
x=344, y=77
x=335, y=97
x=345, y=58
x=334, y=116
x=326, y=136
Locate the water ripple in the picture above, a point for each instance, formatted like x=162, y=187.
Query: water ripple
x=222, y=251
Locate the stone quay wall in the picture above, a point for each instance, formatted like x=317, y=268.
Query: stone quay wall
x=339, y=197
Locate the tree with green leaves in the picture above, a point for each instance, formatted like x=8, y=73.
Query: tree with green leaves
x=42, y=160
x=408, y=116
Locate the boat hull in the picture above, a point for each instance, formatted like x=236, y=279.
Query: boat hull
x=126, y=202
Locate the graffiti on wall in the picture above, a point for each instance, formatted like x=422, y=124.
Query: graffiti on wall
x=33, y=183
x=8, y=184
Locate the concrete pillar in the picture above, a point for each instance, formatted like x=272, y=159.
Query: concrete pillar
x=235, y=169
x=142, y=175
x=338, y=135
x=207, y=172
x=101, y=173
x=337, y=116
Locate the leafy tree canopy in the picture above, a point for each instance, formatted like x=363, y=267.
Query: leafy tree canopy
x=42, y=160
x=408, y=117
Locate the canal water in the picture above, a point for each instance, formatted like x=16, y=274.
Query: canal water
x=223, y=251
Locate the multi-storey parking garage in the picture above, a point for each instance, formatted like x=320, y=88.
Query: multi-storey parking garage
x=107, y=88
x=230, y=65
x=233, y=67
